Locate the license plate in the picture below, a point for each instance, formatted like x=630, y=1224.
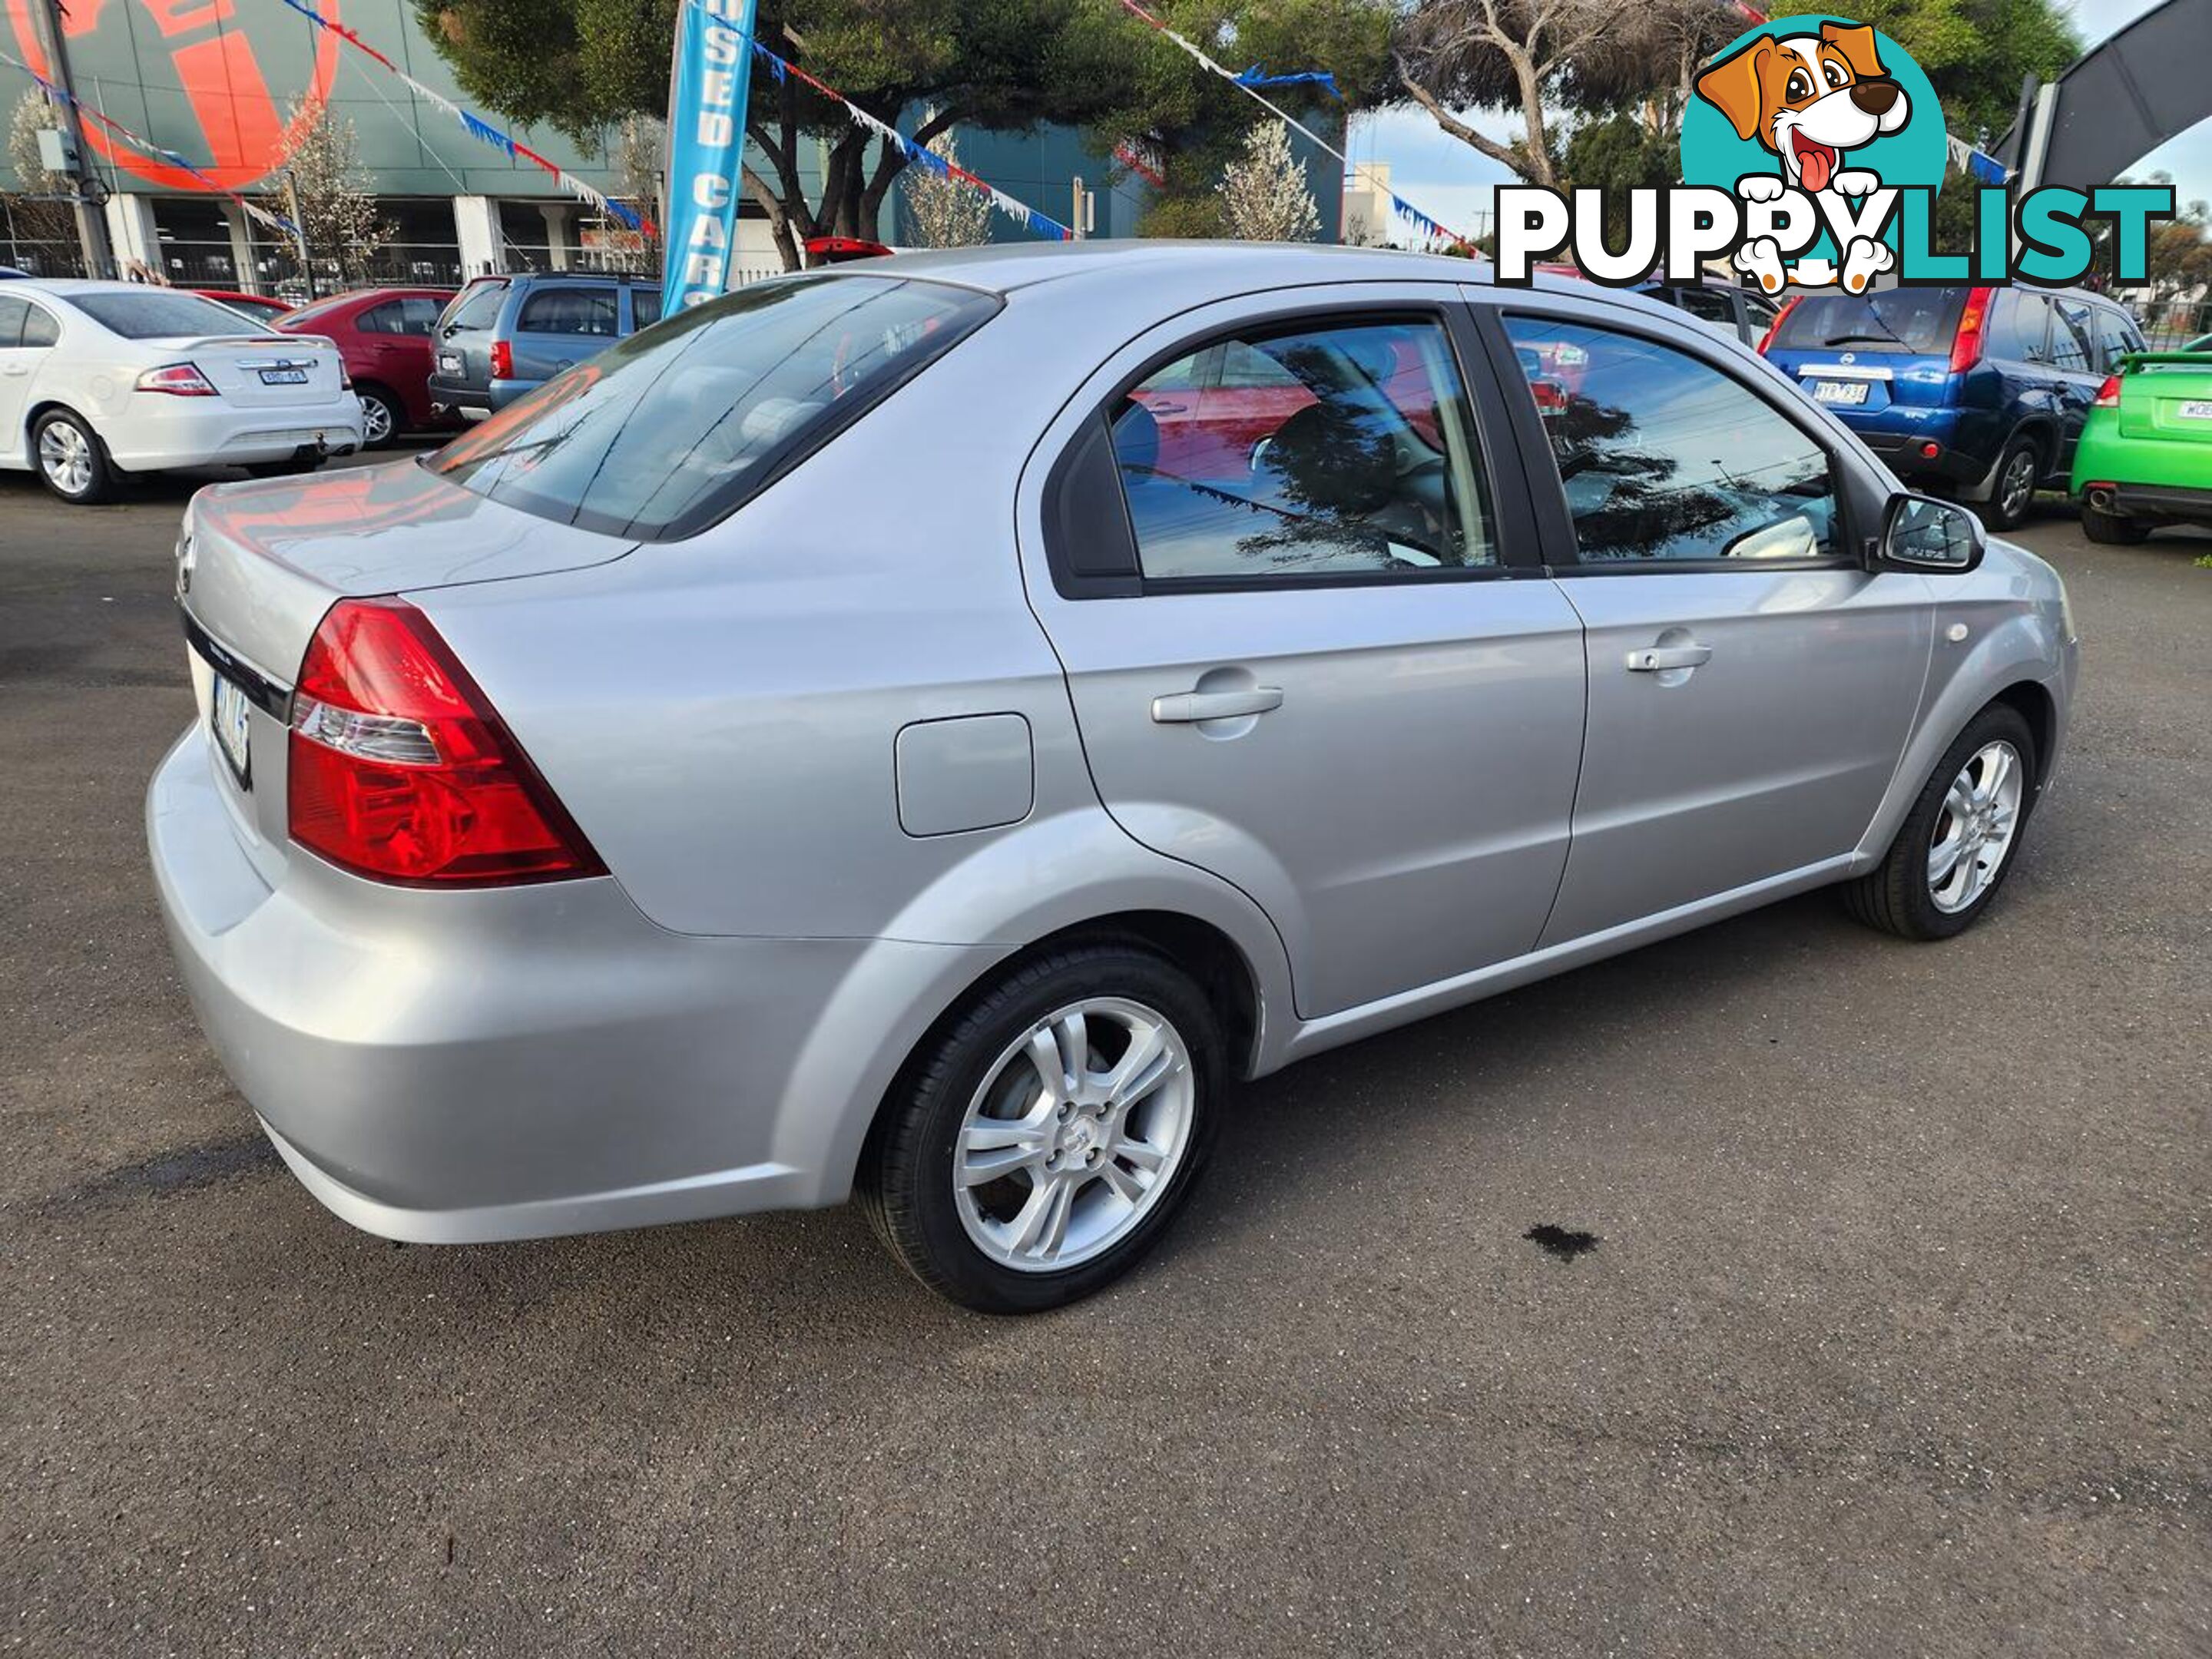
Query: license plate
x=1840, y=392
x=2194, y=410
x=283, y=377
x=229, y=715
x=449, y=363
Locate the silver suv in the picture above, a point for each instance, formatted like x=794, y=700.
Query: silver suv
x=924, y=730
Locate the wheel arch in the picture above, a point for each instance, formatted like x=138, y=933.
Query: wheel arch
x=2034, y=703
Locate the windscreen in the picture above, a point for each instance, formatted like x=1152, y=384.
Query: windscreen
x=1920, y=320
x=163, y=314
x=665, y=432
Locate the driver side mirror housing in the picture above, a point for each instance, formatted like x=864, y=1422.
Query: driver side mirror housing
x=1934, y=538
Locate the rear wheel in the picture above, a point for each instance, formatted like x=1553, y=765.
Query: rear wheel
x=2019, y=470
x=1037, y=1149
x=381, y=417
x=72, y=460
x=2113, y=529
x=1958, y=843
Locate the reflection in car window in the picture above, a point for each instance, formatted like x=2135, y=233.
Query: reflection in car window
x=1321, y=450
x=2070, y=337
x=12, y=312
x=478, y=305
x=39, y=328
x=161, y=313
x=1664, y=457
x=568, y=311
x=665, y=432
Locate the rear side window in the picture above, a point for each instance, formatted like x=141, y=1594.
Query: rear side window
x=478, y=305
x=569, y=311
x=1919, y=321
x=665, y=433
x=644, y=307
x=2116, y=336
x=161, y=313
x=1318, y=451
x=39, y=328
x=412, y=315
x=2020, y=327
x=2069, y=336
x=1663, y=456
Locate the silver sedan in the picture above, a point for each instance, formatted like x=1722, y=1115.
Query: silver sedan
x=924, y=730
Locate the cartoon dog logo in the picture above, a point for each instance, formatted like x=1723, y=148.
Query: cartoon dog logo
x=1809, y=99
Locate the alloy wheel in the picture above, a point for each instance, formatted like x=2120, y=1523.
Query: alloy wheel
x=1974, y=830
x=2018, y=487
x=1078, y=1130
x=65, y=457
x=375, y=421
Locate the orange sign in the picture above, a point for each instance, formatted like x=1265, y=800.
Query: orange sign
x=242, y=121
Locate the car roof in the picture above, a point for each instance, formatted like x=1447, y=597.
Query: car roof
x=1003, y=267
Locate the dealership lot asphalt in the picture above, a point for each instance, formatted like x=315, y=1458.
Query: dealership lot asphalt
x=1895, y=1340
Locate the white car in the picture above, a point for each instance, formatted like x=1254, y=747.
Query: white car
x=99, y=379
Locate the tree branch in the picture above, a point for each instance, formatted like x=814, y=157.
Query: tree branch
x=1504, y=154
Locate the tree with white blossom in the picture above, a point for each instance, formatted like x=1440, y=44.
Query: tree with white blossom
x=1263, y=195
x=943, y=211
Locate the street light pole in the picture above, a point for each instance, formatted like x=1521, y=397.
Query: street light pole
x=91, y=223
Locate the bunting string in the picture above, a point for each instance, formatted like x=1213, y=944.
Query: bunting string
x=1037, y=224
x=275, y=222
x=482, y=131
x=1249, y=86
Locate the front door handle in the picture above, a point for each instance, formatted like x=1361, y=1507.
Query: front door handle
x=1187, y=706
x=1656, y=658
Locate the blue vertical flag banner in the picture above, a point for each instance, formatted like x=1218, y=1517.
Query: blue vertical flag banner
x=706, y=147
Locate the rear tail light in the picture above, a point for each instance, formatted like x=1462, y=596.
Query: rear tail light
x=1775, y=327
x=402, y=771
x=503, y=360
x=179, y=380
x=345, y=378
x=1973, y=324
x=2108, y=395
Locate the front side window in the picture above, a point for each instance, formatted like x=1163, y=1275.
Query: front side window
x=569, y=311
x=1326, y=449
x=1665, y=457
x=661, y=435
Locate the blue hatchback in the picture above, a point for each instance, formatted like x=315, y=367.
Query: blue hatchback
x=1980, y=392
x=503, y=335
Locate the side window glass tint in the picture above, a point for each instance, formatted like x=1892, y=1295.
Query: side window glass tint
x=2070, y=338
x=1663, y=457
x=2024, y=330
x=569, y=311
x=2115, y=337
x=12, y=313
x=381, y=319
x=1703, y=302
x=645, y=306
x=418, y=315
x=1321, y=450
x=39, y=329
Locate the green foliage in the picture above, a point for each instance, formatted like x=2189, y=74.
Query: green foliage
x=1618, y=155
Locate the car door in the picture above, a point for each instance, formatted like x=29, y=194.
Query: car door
x=2078, y=373
x=1319, y=673
x=1751, y=686
x=16, y=366
x=560, y=324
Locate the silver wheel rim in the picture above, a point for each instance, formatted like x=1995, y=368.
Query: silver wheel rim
x=1974, y=831
x=2019, y=482
x=1078, y=1130
x=375, y=421
x=65, y=457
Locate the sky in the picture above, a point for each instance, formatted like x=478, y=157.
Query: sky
x=1452, y=182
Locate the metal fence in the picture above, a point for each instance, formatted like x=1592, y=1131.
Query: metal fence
x=2170, y=326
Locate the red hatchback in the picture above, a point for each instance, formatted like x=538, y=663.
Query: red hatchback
x=384, y=336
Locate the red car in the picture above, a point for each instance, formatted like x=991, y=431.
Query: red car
x=259, y=307
x=384, y=336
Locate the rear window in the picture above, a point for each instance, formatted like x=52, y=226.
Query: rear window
x=1920, y=320
x=477, y=306
x=669, y=431
x=161, y=313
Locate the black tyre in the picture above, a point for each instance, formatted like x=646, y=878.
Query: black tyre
x=1962, y=837
x=382, y=419
x=71, y=459
x=1040, y=1144
x=2113, y=529
x=2020, y=469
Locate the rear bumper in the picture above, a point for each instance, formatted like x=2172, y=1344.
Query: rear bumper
x=2128, y=463
x=1905, y=454
x=528, y=1061
x=475, y=402
x=204, y=432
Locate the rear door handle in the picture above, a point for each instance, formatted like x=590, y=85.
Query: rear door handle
x=1187, y=706
x=1654, y=659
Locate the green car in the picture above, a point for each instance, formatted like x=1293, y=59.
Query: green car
x=2145, y=458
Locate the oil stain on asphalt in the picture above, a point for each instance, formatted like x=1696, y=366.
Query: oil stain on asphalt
x=1562, y=1242
x=172, y=1172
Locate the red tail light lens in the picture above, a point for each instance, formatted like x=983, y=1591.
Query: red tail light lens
x=1973, y=323
x=179, y=380
x=1775, y=327
x=503, y=360
x=402, y=771
x=2108, y=395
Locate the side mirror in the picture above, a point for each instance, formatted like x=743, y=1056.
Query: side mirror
x=1932, y=536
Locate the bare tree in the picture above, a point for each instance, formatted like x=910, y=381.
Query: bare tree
x=1263, y=193
x=337, y=199
x=945, y=212
x=638, y=162
x=33, y=215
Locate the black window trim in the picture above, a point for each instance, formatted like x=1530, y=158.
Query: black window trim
x=1557, y=523
x=1513, y=529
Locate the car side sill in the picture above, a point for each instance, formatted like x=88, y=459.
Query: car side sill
x=1350, y=1024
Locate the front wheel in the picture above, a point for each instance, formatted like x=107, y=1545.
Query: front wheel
x=1959, y=839
x=1035, y=1151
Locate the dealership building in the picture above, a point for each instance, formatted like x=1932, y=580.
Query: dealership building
x=221, y=82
